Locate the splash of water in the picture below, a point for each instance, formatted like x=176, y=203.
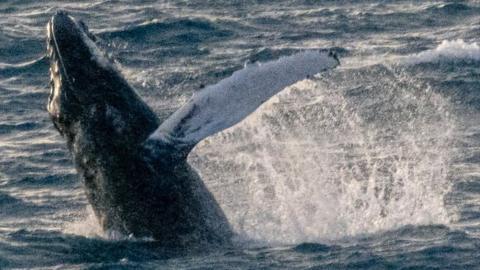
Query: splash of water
x=87, y=225
x=355, y=151
x=448, y=49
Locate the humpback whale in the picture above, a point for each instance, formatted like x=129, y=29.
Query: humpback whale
x=133, y=165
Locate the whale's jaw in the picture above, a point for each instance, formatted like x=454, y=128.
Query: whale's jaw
x=69, y=53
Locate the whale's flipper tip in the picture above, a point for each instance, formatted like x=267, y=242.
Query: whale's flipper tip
x=334, y=55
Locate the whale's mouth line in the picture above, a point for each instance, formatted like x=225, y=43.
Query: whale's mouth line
x=55, y=50
x=57, y=67
x=59, y=76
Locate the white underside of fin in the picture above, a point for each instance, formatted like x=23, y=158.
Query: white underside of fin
x=226, y=103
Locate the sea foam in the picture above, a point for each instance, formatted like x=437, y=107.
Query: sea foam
x=449, y=50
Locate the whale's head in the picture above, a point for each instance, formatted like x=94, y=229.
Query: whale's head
x=85, y=86
x=80, y=75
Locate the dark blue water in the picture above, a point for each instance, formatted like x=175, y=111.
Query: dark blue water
x=375, y=164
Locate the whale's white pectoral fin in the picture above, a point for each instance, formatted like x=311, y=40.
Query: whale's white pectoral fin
x=226, y=103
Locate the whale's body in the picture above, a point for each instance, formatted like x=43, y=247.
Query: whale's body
x=134, y=166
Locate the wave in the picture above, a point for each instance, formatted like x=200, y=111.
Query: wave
x=23, y=126
x=42, y=249
x=44, y=181
x=12, y=206
x=447, y=50
x=29, y=67
x=170, y=31
x=452, y=9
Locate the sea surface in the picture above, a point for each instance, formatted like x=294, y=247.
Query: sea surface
x=372, y=165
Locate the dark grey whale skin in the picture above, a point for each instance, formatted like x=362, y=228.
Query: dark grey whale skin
x=136, y=186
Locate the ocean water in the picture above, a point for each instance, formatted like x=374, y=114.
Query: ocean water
x=372, y=165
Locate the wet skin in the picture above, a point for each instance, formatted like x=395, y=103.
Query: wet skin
x=136, y=186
